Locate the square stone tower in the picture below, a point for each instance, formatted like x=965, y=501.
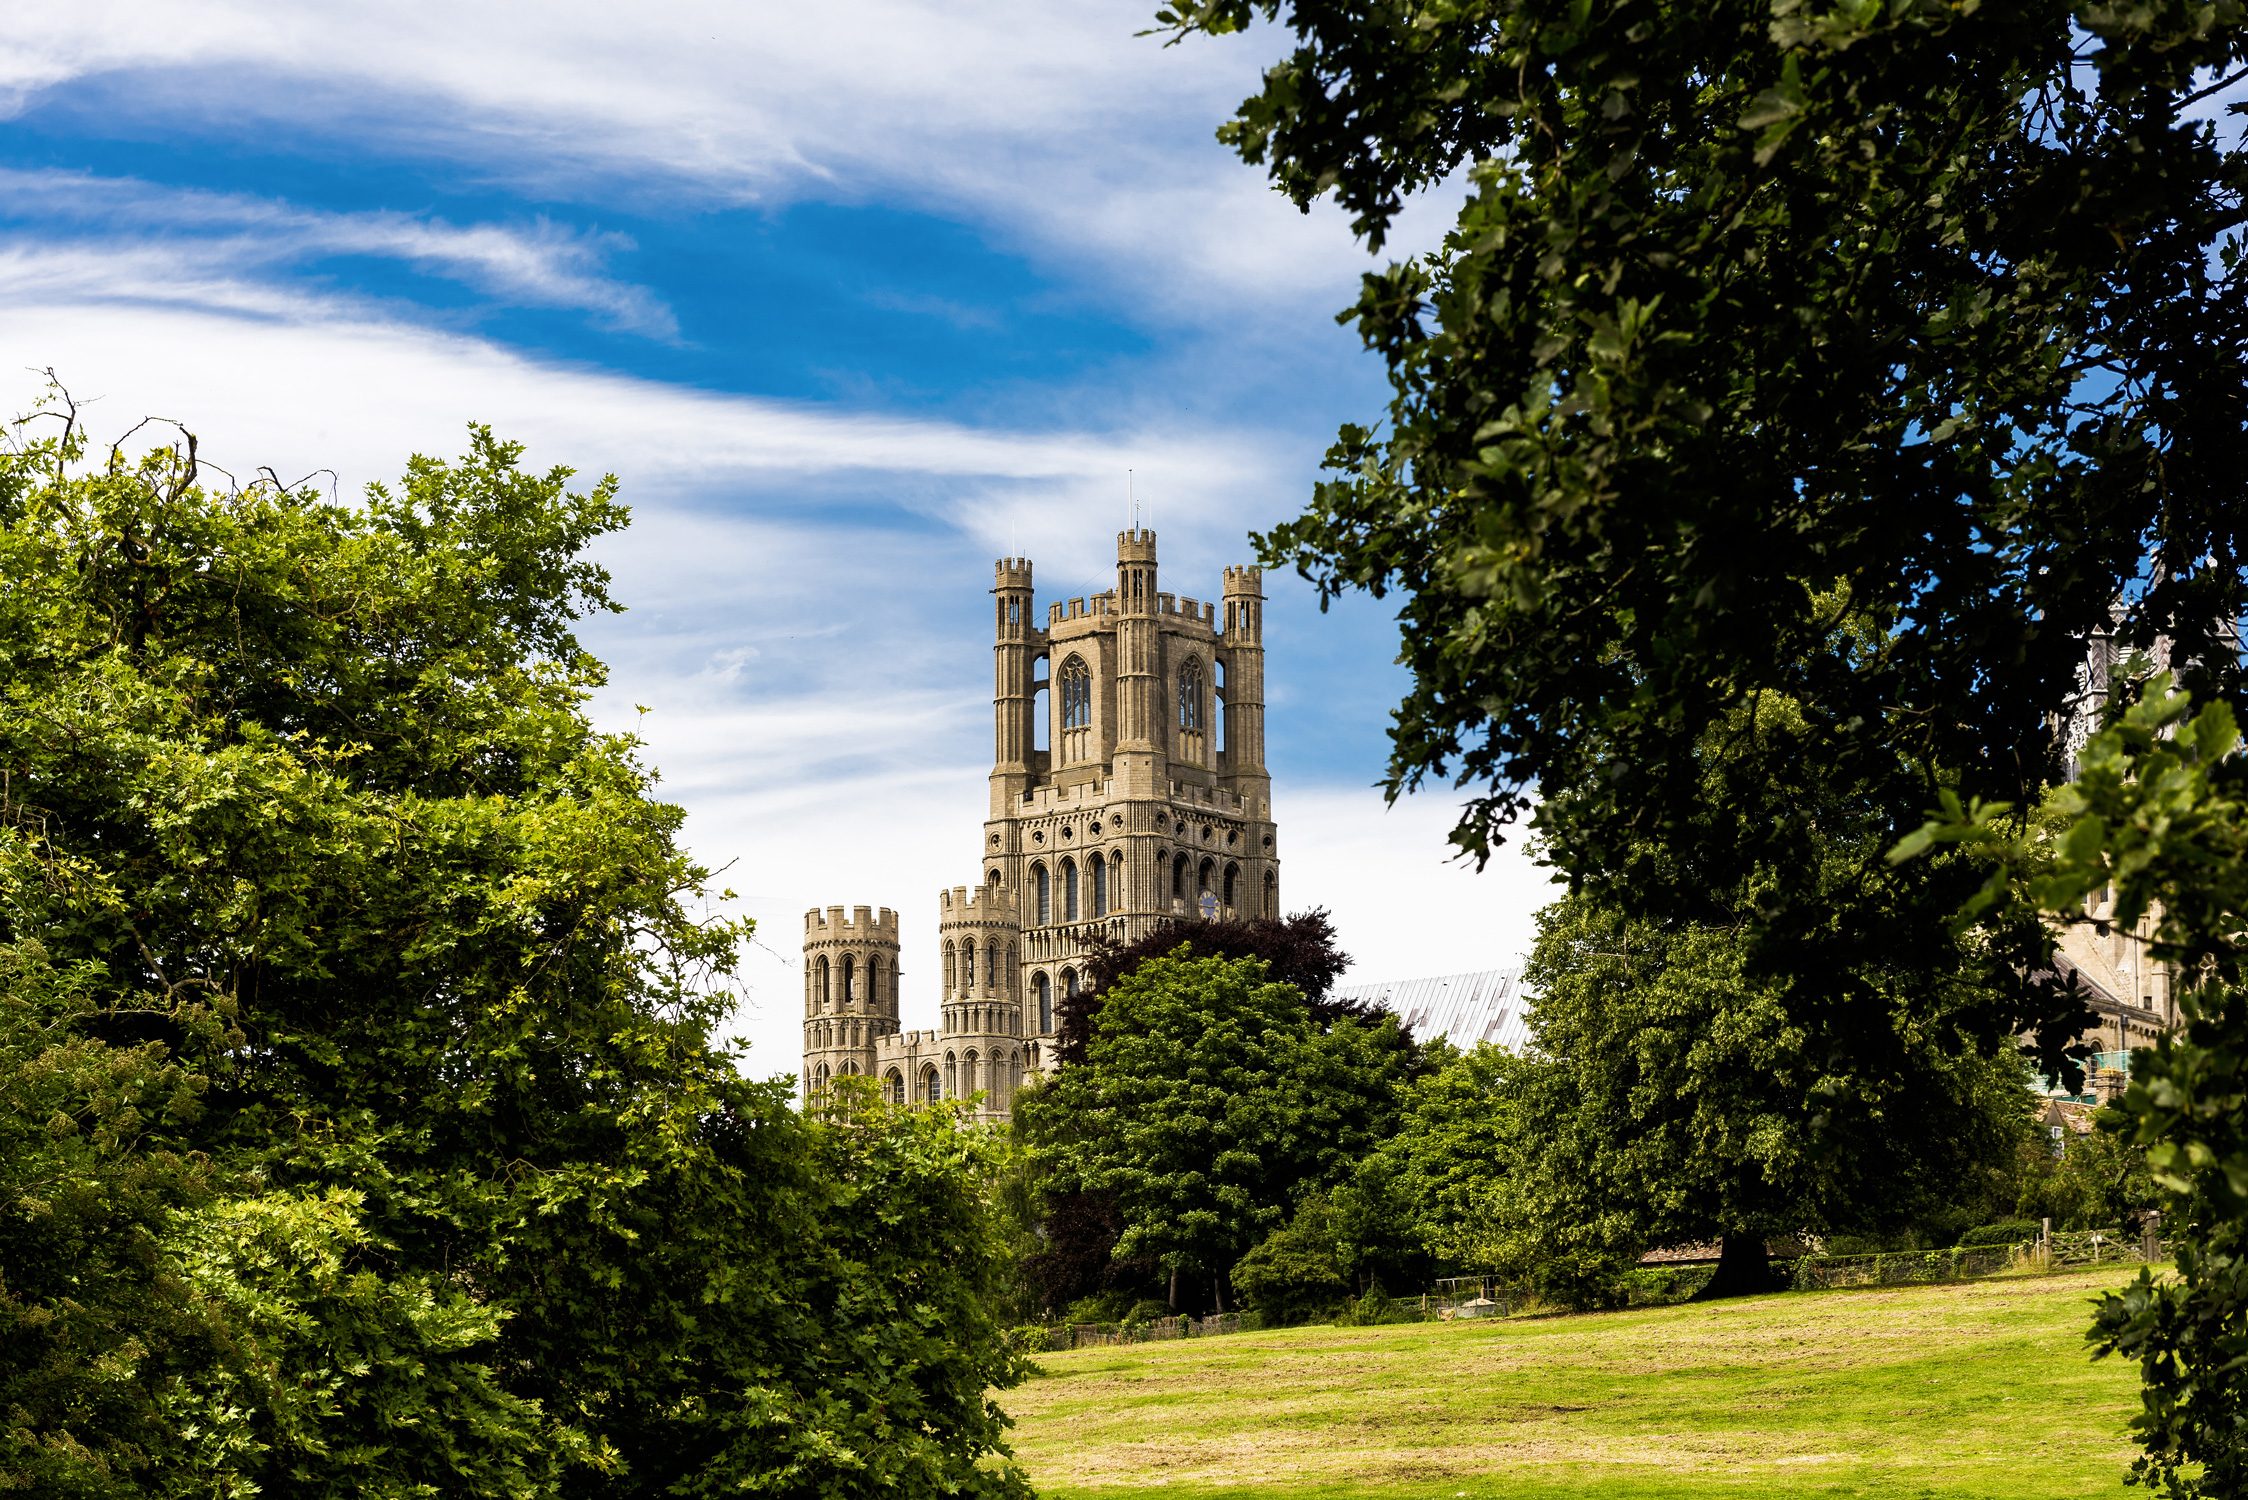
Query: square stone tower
x=1151, y=798
x=1149, y=802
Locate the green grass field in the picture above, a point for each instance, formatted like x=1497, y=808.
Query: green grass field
x=1983, y=1389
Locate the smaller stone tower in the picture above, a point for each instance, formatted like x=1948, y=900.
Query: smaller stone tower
x=979, y=936
x=850, y=991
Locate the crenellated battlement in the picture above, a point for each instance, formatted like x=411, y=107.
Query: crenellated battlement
x=1244, y=580
x=1012, y=573
x=864, y=926
x=1137, y=545
x=978, y=904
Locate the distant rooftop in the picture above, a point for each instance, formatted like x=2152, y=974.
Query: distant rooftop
x=1462, y=1008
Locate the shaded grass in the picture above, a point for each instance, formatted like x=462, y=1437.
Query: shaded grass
x=1981, y=1389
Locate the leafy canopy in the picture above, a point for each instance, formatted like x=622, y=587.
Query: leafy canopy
x=1208, y=1104
x=364, y=1127
x=2159, y=814
x=1751, y=301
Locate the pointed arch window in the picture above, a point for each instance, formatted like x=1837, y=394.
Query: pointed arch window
x=850, y=979
x=1044, y=989
x=1075, y=704
x=968, y=965
x=1069, y=890
x=1077, y=694
x=1097, y=868
x=1045, y=888
x=822, y=982
x=1192, y=741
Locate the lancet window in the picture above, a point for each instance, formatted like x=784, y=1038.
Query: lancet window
x=1076, y=706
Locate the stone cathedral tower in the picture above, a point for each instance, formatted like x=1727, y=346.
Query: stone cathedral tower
x=1150, y=801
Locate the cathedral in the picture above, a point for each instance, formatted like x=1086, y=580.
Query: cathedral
x=1150, y=802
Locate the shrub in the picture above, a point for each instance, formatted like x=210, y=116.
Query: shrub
x=2001, y=1234
x=1293, y=1272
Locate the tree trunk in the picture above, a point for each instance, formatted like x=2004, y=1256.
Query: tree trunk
x=1217, y=1287
x=1174, y=1288
x=1743, y=1270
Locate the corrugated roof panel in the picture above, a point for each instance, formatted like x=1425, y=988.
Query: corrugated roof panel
x=1464, y=1008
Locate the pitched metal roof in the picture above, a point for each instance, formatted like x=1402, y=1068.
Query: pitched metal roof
x=1462, y=1008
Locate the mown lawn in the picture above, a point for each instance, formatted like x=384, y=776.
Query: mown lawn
x=1978, y=1390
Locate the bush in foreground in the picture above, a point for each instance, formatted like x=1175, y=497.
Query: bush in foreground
x=363, y=1128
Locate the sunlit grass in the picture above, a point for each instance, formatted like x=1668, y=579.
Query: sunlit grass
x=1983, y=1389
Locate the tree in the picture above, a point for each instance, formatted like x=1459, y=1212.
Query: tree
x=2158, y=813
x=366, y=1128
x=1297, y=1268
x=1679, y=1098
x=1082, y=1229
x=1939, y=307
x=1458, y=1140
x=1299, y=950
x=1208, y=1104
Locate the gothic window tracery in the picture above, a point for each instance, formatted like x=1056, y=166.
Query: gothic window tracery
x=1044, y=886
x=1076, y=707
x=1043, y=988
x=1069, y=890
x=1097, y=867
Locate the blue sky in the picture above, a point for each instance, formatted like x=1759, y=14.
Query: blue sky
x=851, y=297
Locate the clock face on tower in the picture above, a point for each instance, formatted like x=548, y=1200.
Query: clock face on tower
x=1208, y=906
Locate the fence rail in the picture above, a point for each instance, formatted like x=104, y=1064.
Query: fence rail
x=2061, y=1248
x=1480, y=1297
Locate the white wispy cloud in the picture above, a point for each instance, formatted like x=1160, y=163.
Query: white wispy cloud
x=67, y=235
x=808, y=592
x=1051, y=123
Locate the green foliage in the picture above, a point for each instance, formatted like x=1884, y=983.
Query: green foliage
x=2012, y=1232
x=1455, y=1146
x=1209, y=1104
x=2100, y=1180
x=362, y=1124
x=1681, y=1098
x=1295, y=1269
x=1750, y=299
x=2157, y=812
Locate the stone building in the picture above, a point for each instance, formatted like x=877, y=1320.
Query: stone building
x=1150, y=801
